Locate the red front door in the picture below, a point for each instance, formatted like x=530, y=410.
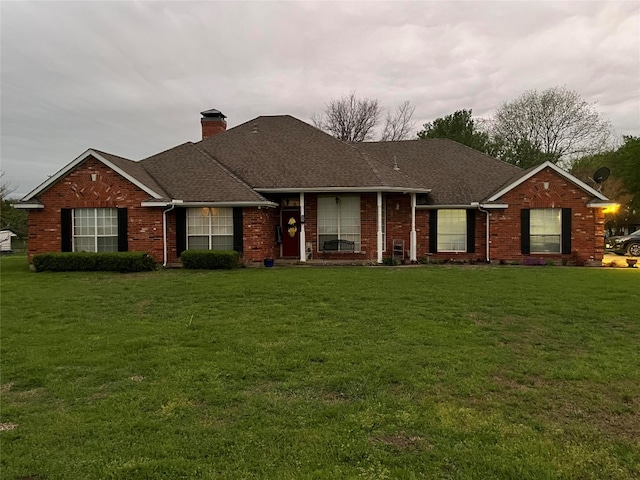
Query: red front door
x=290, y=223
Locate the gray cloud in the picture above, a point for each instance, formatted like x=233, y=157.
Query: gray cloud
x=131, y=77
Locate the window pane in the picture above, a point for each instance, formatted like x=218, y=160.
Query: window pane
x=95, y=228
x=220, y=242
x=545, y=221
x=84, y=221
x=452, y=230
x=339, y=218
x=107, y=244
x=545, y=229
x=107, y=221
x=545, y=244
x=84, y=244
x=222, y=221
x=327, y=216
x=198, y=243
x=197, y=221
x=210, y=228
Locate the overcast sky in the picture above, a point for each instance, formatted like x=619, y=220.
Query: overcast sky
x=130, y=78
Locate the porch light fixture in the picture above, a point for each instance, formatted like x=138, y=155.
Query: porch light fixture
x=94, y=177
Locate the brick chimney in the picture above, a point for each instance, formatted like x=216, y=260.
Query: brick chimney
x=213, y=122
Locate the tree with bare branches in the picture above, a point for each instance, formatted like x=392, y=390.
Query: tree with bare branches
x=6, y=188
x=399, y=124
x=354, y=119
x=557, y=122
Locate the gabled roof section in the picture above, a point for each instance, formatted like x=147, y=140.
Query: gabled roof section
x=190, y=174
x=535, y=170
x=128, y=169
x=457, y=174
x=273, y=153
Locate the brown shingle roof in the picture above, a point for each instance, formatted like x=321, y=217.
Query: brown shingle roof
x=136, y=170
x=281, y=152
x=187, y=173
x=456, y=174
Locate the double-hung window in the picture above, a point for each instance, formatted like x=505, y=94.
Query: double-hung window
x=210, y=228
x=452, y=230
x=545, y=230
x=339, y=219
x=95, y=230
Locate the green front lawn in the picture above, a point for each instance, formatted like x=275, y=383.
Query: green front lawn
x=304, y=373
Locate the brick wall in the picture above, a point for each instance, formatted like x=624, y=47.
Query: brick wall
x=109, y=190
x=587, y=224
x=259, y=233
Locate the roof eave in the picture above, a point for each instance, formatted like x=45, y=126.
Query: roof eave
x=343, y=189
x=537, y=170
x=70, y=166
x=28, y=206
x=209, y=204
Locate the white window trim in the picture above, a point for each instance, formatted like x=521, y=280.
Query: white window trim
x=95, y=236
x=439, y=234
x=210, y=226
x=338, y=220
x=546, y=234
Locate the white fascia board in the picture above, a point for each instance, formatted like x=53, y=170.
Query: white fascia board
x=602, y=204
x=27, y=206
x=494, y=206
x=209, y=204
x=558, y=170
x=66, y=169
x=463, y=207
x=343, y=189
x=447, y=207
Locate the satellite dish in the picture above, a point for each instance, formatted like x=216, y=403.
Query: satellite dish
x=601, y=174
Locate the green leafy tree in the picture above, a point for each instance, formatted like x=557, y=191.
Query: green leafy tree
x=623, y=185
x=10, y=216
x=461, y=127
x=628, y=167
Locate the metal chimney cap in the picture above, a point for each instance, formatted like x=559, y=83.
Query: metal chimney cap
x=213, y=113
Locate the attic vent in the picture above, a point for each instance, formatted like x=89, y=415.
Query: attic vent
x=255, y=128
x=395, y=164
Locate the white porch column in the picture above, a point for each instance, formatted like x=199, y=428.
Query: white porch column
x=303, y=236
x=413, y=247
x=379, y=228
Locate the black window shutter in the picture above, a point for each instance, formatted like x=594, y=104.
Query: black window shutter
x=433, y=231
x=123, y=235
x=66, y=232
x=471, y=231
x=237, y=229
x=566, y=230
x=181, y=230
x=525, y=236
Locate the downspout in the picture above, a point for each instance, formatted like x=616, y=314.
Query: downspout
x=486, y=212
x=413, y=238
x=164, y=234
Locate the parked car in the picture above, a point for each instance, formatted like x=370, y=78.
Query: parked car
x=625, y=244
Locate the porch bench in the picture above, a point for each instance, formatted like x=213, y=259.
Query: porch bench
x=338, y=246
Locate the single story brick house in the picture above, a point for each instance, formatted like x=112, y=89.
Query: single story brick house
x=277, y=187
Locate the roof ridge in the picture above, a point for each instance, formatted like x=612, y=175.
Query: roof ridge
x=219, y=164
x=102, y=152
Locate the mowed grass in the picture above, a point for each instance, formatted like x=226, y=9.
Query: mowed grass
x=311, y=373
